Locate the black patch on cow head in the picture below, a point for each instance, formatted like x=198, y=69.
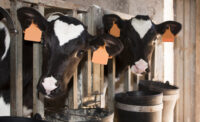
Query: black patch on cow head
x=1, y=16
x=2, y=41
x=27, y=15
x=174, y=26
x=113, y=45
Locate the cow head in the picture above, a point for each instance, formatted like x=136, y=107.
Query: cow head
x=138, y=35
x=65, y=39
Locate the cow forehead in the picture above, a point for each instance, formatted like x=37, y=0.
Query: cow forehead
x=141, y=26
x=67, y=31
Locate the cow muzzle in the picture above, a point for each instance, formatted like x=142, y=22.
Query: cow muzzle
x=50, y=87
x=140, y=67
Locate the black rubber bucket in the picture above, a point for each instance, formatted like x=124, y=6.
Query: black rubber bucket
x=19, y=119
x=170, y=96
x=81, y=115
x=138, y=106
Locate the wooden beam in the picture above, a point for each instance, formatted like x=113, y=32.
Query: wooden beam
x=197, y=85
x=5, y=4
x=189, y=60
x=16, y=63
x=95, y=18
x=179, y=61
x=58, y=4
x=38, y=103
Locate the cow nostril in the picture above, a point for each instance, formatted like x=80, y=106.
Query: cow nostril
x=147, y=70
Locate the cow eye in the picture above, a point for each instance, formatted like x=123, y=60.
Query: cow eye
x=80, y=53
x=44, y=45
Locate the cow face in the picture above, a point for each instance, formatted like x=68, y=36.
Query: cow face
x=65, y=39
x=138, y=35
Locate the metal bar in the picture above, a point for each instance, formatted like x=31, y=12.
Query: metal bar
x=127, y=80
x=111, y=84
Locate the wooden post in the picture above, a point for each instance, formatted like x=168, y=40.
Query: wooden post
x=197, y=86
x=111, y=85
x=185, y=61
x=94, y=19
x=179, y=61
x=38, y=103
x=16, y=63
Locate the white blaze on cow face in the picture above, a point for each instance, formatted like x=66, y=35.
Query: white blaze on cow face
x=141, y=26
x=6, y=40
x=66, y=32
x=49, y=84
x=139, y=67
x=5, y=108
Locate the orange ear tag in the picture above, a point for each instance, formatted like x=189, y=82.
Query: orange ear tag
x=168, y=36
x=100, y=56
x=115, y=31
x=33, y=33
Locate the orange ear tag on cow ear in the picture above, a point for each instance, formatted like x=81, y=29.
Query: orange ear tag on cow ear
x=115, y=31
x=33, y=33
x=100, y=56
x=168, y=36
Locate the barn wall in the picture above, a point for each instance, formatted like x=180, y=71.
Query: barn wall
x=187, y=69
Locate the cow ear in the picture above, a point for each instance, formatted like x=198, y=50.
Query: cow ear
x=53, y=16
x=27, y=16
x=112, y=24
x=113, y=45
x=174, y=27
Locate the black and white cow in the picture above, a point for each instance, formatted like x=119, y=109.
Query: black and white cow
x=137, y=35
x=65, y=39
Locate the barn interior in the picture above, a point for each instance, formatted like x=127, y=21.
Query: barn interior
x=177, y=62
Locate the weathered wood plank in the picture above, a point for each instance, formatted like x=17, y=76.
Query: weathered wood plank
x=189, y=60
x=94, y=16
x=16, y=63
x=58, y=4
x=159, y=61
x=38, y=106
x=5, y=4
x=179, y=62
x=75, y=78
x=197, y=85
